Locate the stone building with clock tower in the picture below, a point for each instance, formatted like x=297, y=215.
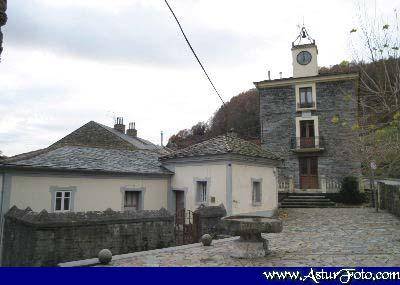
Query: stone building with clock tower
x=299, y=117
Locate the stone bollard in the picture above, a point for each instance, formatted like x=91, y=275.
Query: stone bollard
x=206, y=240
x=105, y=256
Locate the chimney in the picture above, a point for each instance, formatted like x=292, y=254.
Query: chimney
x=269, y=74
x=162, y=138
x=132, y=132
x=119, y=125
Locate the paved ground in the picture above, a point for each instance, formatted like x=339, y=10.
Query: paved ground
x=311, y=237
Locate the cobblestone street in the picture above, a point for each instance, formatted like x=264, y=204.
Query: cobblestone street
x=311, y=237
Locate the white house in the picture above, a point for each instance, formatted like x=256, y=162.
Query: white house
x=97, y=167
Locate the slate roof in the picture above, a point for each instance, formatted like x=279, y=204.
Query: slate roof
x=137, y=142
x=224, y=144
x=92, y=159
x=93, y=134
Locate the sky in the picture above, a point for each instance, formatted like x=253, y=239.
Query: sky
x=68, y=62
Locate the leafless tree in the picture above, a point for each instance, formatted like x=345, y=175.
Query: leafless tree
x=375, y=45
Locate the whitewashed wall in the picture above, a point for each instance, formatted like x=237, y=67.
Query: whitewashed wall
x=242, y=176
x=92, y=194
x=185, y=178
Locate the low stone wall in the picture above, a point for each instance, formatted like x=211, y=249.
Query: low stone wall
x=389, y=197
x=210, y=219
x=46, y=239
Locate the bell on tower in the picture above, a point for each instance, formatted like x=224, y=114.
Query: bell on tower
x=305, y=53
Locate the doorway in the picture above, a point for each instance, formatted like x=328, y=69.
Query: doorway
x=308, y=169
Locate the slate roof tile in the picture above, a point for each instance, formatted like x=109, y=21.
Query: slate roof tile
x=94, y=159
x=223, y=144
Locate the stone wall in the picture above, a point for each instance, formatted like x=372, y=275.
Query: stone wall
x=278, y=113
x=389, y=197
x=44, y=239
x=209, y=220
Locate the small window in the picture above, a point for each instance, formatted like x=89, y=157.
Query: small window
x=201, y=194
x=62, y=201
x=306, y=98
x=132, y=200
x=256, y=193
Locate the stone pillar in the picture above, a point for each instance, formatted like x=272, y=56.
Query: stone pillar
x=323, y=183
x=291, y=184
x=3, y=20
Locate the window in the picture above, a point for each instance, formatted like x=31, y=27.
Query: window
x=63, y=201
x=256, y=193
x=62, y=198
x=132, y=198
x=131, y=201
x=306, y=98
x=201, y=194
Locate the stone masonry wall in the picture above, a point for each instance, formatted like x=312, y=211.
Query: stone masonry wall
x=44, y=239
x=278, y=113
x=210, y=219
x=390, y=198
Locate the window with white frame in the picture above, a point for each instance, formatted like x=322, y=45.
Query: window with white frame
x=62, y=201
x=306, y=98
x=256, y=193
x=201, y=192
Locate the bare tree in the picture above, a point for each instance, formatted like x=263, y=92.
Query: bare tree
x=375, y=46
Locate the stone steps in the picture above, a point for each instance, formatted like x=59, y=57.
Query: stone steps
x=307, y=200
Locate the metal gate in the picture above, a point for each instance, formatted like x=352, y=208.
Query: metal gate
x=186, y=227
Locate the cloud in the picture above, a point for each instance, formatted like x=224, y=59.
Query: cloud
x=137, y=33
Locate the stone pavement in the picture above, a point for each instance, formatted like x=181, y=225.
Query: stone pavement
x=311, y=237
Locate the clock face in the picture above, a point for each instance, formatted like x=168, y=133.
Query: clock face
x=304, y=58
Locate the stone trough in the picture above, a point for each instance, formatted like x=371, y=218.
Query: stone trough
x=251, y=244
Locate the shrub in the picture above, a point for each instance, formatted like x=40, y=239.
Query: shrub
x=350, y=192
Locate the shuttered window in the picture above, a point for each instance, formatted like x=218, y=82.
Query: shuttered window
x=201, y=192
x=256, y=193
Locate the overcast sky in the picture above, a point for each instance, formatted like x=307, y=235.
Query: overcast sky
x=67, y=62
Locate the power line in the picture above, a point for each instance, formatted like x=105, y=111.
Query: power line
x=194, y=53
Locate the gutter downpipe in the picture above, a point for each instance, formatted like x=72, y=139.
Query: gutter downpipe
x=2, y=217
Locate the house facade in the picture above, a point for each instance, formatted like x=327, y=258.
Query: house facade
x=307, y=119
x=97, y=167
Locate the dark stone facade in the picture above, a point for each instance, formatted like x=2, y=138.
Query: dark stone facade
x=278, y=120
x=93, y=135
x=390, y=198
x=44, y=239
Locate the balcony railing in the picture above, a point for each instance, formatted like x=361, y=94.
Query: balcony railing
x=309, y=143
x=306, y=105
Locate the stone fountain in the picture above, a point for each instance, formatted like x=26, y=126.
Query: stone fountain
x=251, y=244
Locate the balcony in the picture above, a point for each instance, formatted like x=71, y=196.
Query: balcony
x=306, y=106
x=307, y=144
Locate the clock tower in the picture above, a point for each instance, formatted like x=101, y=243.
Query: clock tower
x=305, y=62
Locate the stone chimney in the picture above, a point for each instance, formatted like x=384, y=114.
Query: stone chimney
x=119, y=125
x=132, y=132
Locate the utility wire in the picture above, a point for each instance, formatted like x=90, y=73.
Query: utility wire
x=194, y=53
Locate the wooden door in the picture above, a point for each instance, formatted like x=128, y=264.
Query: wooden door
x=308, y=168
x=179, y=206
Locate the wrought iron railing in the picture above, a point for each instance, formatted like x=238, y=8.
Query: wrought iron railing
x=297, y=143
x=306, y=105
